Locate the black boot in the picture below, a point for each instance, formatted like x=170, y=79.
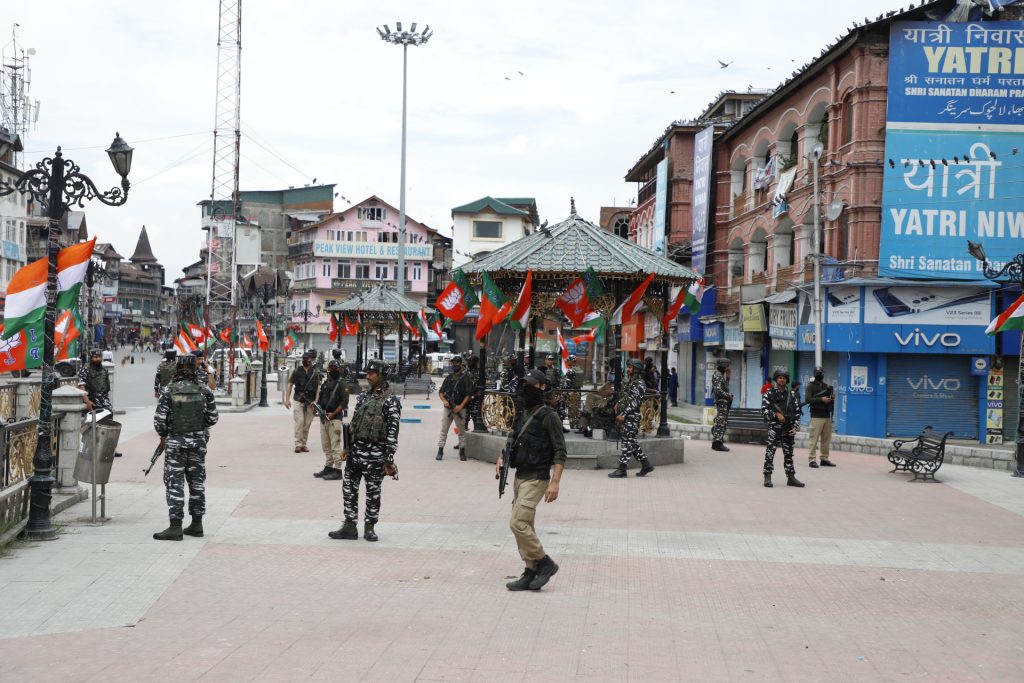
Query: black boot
x=440, y=453
x=368, y=533
x=767, y=480
x=719, y=446
x=322, y=472
x=195, y=528
x=617, y=474
x=171, y=533
x=333, y=475
x=462, y=454
x=645, y=468
x=523, y=582
x=546, y=568
x=347, y=532
x=791, y=480
x=588, y=432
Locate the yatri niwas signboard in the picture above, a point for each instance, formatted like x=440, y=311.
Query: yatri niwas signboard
x=955, y=121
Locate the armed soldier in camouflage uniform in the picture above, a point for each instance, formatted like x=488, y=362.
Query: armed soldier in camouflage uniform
x=95, y=381
x=374, y=442
x=476, y=391
x=723, y=401
x=570, y=381
x=780, y=408
x=164, y=372
x=184, y=415
x=332, y=400
x=456, y=392
x=631, y=394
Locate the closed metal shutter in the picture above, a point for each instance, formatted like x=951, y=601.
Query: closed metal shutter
x=753, y=376
x=1011, y=365
x=936, y=390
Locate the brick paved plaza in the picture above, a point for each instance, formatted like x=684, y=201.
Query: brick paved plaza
x=696, y=573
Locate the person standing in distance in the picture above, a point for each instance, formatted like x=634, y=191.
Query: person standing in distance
x=820, y=397
x=455, y=394
x=305, y=379
x=375, y=425
x=723, y=403
x=164, y=372
x=631, y=395
x=332, y=399
x=95, y=381
x=673, y=388
x=536, y=446
x=780, y=408
x=184, y=414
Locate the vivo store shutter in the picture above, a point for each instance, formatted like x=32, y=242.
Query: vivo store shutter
x=1010, y=397
x=935, y=390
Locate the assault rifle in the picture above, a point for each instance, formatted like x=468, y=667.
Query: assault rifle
x=506, y=463
x=156, y=455
x=346, y=436
x=318, y=411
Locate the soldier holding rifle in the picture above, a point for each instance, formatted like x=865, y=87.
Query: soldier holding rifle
x=821, y=398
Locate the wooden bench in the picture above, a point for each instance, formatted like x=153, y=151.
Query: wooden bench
x=923, y=456
x=424, y=384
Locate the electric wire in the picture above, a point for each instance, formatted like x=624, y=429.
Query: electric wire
x=135, y=142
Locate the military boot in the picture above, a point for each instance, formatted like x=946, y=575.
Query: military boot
x=645, y=468
x=368, y=533
x=523, y=582
x=767, y=480
x=546, y=568
x=347, y=532
x=719, y=446
x=171, y=533
x=588, y=432
x=791, y=480
x=333, y=474
x=440, y=453
x=322, y=472
x=195, y=528
x=617, y=474
x=462, y=454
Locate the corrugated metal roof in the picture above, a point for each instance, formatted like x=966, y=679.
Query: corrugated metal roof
x=570, y=247
x=378, y=299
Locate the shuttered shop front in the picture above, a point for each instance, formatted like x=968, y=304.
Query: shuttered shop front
x=935, y=390
x=1010, y=397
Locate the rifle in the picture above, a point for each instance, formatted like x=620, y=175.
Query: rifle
x=318, y=411
x=502, y=478
x=346, y=436
x=156, y=455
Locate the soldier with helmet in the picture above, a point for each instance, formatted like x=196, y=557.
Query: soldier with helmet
x=332, y=400
x=95, y=381
x=184, y=414
x=631, y=394
x=304, y=381
x=723, y=402
x=780, y=408
x=374, y=425
x=164, y=371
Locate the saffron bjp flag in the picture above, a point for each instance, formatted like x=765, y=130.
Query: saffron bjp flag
x=564, y=352
x=574, y=302
x=226, y=334
x=65, y=331
x=624, y=313
x=673, y=309
x=494, y=306
x=413, y=331
x=457, y=298
x=261, y=337
x=246, y=342
x=289, y=341
x=183, y=343
x=332, y=332
x=1010, y=319
x=520, y=315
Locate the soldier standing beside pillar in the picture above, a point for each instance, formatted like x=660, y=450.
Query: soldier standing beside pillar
x=631, y=395
x=723, y=403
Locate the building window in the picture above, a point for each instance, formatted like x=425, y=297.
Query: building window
x=327, y=269
x=621, y=227
x=417, y=272
x=372, y=213
x=848, y=122
x=344, y=269
x=487, y=230
x=362, y=270
x=380, y=270
x=360, y=236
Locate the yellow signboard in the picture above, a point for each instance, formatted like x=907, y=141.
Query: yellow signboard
x=752, y=317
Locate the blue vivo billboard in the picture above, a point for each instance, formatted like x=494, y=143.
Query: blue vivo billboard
x=702, y=145
x=955, y=120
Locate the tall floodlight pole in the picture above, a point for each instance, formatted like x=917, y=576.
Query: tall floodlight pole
x=405, y=39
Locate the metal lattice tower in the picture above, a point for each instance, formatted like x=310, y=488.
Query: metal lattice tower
x=222, y=273
x=18, y=112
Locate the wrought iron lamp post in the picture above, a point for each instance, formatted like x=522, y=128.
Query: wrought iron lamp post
x=262, y=296
x=305, y=314
x=1013, y=271
x=59, y=184
x=405, y=39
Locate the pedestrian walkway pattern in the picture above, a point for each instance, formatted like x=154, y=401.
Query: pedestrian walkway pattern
x=696, y=573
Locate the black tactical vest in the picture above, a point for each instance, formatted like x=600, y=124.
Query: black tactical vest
x=97, y=381
x=533, y=450
x=166, y=371
x=188, y=408
x=369, y=424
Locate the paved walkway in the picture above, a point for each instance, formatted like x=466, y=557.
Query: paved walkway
x=696, y=573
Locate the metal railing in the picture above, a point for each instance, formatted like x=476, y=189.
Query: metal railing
x=18, y=445
x=499, y=409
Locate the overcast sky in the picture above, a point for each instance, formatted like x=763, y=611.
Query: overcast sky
x=323, y=92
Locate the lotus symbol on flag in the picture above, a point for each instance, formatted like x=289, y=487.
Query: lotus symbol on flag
x=452, y=300
x=575, y=295
x=7, y=347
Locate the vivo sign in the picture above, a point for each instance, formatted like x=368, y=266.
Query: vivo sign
x=926, y=383
x=918, y=338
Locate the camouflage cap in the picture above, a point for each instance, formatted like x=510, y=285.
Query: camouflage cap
x=780, y=371
x=378, y=366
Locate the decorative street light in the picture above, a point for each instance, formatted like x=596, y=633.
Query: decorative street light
x=261, y=296
x=1013, y=271
x=405, y=39
x=305, y=314
x=59, y=184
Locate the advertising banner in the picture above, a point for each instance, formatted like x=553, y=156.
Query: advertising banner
x=928, y=306
x=955, y=117
x=752, y=316
x=782, y=326
x=842, y=305
x=660, y=206
x=702, y=145
x=733, y=337
x=375, y=250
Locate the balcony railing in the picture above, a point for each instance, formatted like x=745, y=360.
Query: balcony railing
x=301, y=249
x=646, y=192
x=740, y=203
x=304, y=285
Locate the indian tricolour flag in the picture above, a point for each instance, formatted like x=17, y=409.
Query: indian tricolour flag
x=1010, y=319
x=694, y=295
x=26, y=295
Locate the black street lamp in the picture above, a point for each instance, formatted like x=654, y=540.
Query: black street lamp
x=59, y=183
x=305, y=314
x=262, y=295
x=1013, y=271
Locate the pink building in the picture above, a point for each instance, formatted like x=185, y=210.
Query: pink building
x=352, y=250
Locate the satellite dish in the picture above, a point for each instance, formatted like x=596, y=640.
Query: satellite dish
x=835, y=209
x=31, y=51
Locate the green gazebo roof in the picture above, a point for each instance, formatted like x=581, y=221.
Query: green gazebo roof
x=377, y=303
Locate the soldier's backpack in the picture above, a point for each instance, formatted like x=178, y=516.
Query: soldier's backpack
x=369, y=424
x=188, y=408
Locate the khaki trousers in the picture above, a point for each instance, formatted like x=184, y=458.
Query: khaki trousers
x=459, y=419
x=302, y=415
x=821, y=429
x=524, y=511
x=330, y=439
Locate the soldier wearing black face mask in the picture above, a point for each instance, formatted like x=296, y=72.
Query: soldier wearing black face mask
x=94, y=379
x=821, y=398
x=332, y=400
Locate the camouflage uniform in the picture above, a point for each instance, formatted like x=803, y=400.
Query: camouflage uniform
x=368, y=458
x=723, y=401
x=97, y=385
x=164, y=374
x=784, y=433
x=554, y=375
x=185, y=454
x=631, y=393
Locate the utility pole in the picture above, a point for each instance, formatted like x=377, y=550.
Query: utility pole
x=816, y=158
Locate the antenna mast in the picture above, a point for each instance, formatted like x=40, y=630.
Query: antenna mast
x=225, y=206
x=18, y=112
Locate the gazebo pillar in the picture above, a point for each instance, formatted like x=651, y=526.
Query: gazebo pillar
x=360, y=340
x=533, y=340
x=398, y=351
x=663, y=424
x=380, y=342
x=478, y=424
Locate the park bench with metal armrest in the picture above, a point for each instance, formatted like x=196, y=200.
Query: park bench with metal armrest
x=923, y=456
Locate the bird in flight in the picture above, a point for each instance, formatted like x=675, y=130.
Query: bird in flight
x=521, y=73
x=724, y=64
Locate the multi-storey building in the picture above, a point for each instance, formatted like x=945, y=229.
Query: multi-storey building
x=106, y=308
x=13, y=220
x=488, y=223
x=140, y=292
